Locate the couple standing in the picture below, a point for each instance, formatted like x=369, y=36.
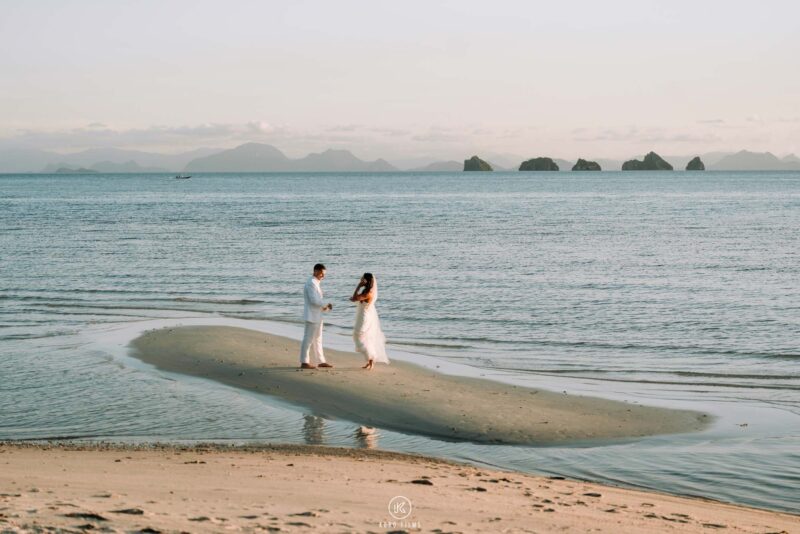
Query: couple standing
x=367, y=333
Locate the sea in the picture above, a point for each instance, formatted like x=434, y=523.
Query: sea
x=672, y=289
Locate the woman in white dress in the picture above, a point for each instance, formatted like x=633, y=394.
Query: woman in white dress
x=367, y=333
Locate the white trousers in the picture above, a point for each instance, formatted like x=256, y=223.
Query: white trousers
x=311, y=347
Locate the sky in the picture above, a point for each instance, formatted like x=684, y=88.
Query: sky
x=403, y=80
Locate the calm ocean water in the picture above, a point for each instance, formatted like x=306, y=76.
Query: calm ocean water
x=674, y=289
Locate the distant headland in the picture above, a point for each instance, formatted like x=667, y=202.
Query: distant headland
x=261, y=157
x=80, y=170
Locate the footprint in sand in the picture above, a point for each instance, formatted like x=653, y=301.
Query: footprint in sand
x=305, y=514
x=129, y=511
x=86, y=515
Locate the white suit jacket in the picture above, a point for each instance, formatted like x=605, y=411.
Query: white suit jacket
x=312, y=296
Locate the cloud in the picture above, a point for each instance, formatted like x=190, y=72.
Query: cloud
x=683, y=138
x=260, y=127
x=99, y=135
x=294, y=141
x=512, y=133
x=711, y=121
x=390, y=132
x=655, y=135
x=440, y=134
x=344, y=128
x=606, y=135
x=437, y=137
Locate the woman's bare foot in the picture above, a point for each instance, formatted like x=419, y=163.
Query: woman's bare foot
x=368, y=366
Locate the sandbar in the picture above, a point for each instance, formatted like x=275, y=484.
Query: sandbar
x=403, y=396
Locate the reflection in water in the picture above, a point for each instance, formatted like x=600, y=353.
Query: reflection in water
x=626, y=302
x=367, y=437
x=314, y=430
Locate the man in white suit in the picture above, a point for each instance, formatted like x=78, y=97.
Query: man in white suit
x=311, y=348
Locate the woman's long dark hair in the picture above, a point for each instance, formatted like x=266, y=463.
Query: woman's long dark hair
x=370, y=282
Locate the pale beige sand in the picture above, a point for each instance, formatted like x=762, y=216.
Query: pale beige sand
x=403, y=396
x=302, y=489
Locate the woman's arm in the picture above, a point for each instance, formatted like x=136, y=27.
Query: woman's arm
x=361, y=298
x=365, y=298
x=356, y=297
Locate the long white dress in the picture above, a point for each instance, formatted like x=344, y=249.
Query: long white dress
x=367, y=333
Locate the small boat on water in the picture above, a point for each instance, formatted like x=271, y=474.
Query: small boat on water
x=183, y=177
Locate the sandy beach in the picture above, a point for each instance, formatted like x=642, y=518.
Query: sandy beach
x=305, y=488
x=403, y=396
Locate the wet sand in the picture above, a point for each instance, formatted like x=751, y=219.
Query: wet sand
x=402, y=396
x=80, y=488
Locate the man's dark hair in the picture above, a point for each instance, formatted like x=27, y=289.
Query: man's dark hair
x=319, y=267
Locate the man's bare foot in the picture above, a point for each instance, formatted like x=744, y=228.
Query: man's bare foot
x=307, y=366
x=325, y=364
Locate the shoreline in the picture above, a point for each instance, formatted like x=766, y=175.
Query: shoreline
x=402, y=396
x=294, y=488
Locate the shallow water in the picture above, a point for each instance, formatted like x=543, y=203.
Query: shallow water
x=672, y=289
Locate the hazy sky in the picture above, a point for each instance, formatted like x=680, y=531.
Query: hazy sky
x=431, y=78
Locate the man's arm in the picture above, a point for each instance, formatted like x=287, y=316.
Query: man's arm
x=315, y=296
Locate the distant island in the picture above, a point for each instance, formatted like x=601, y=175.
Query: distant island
x=260, y=157
x=108, y=167
x=583, y=165
x=439, y=166
x=651, y=162
x=756, y=161
x=68, y=170
x=695, y=164
x=539, y=164
x=476, y=164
